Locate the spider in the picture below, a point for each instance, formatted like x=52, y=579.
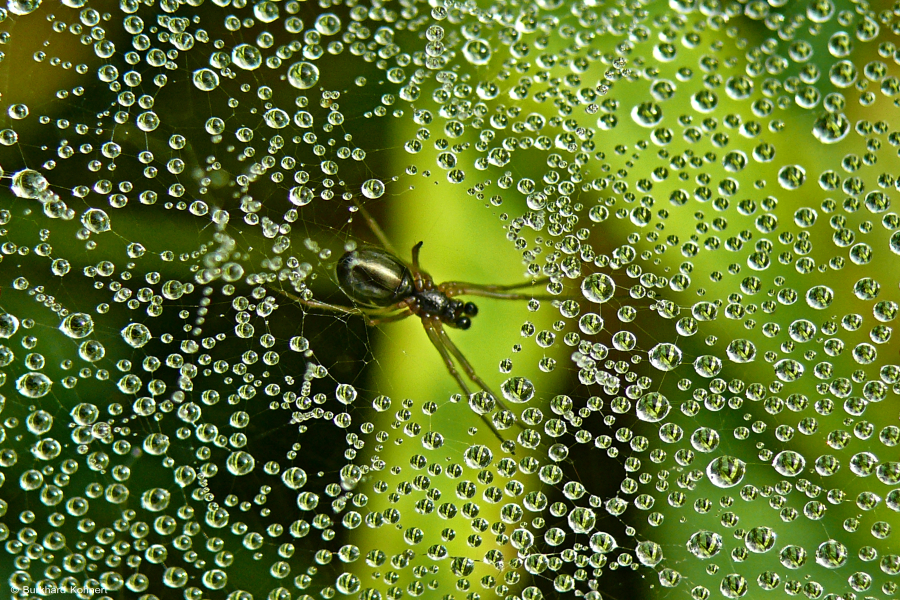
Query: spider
x=386, y=288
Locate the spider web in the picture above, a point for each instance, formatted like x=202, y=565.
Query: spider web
x=186, y=163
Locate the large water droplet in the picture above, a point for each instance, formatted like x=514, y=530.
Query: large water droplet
x=29, y=183
x=665, y=356
x=789, y=463
x=136, y=335
x=598, y=287
x=9, y=325
x=372, y=188
x=205, y=80
x=477, y=52
x=726, y=471
x=303, y=75
x=33, y=385
x=77, y=325
x=246, y=57
x=652, y=407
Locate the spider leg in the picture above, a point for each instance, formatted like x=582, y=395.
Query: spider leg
x=421, y=278
x=435, y=338
x=503, y=288
x=438, y=339
x=462, y=288
x=415, y=255
x=376, y=228
x=467, y=366
x=371, y=318
x=389, y=318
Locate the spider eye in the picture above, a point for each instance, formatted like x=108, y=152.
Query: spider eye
x=470, y=309
x=464, y=322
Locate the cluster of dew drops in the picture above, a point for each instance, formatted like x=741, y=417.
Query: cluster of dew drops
x=736, y=354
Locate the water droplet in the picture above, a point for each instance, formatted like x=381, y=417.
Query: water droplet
x=294, y=478
x=788, y=370
x=91, y=350
x=665, y=356
x=147, y=121
x=819, y=297
x=205, y=80
x=246, y=57
x=328, y=24
x=726, y=471
x=741, y=351
x=831, y=554
x=830, y=128
x=96, y=220
x=22, y=7
x=33, y=385
x=789, y=463
x=155, y=499
x=582, y=520
x=9, y=325
x=28, y=183
x=240, y=463
x=598, y=287
x=517, y=390
x=345, y=393
x=652, y=407
x=649, y=553
x=478, y=456
x=303, y=75
x=77, y=325
x=372, y=188
x=704, y=544
x=17, y=111
x=136, y=335
x=477, y=52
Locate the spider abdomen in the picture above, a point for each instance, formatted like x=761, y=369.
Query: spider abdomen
x=374, y=277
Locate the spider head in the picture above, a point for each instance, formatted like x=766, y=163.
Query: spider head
x=468, y=310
